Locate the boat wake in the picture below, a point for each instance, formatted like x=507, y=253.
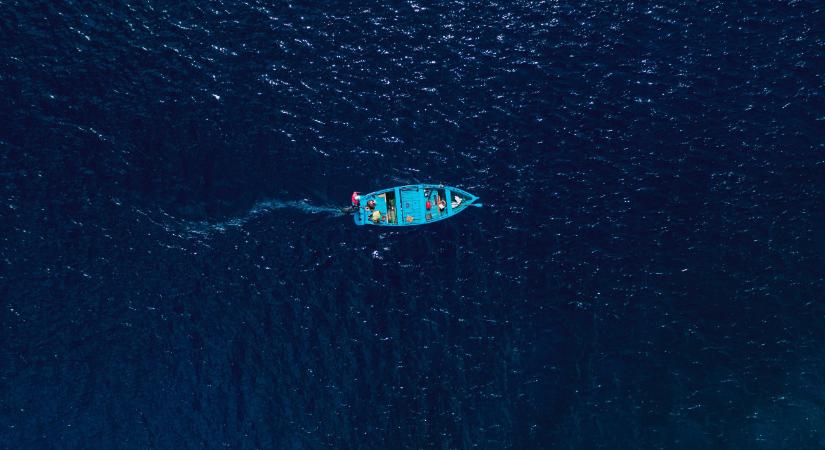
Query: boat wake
x=259, y=209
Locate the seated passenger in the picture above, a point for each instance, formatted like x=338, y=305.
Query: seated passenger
x=456, y=201
x=442, y=205
x=375, y=216
x=370, y=205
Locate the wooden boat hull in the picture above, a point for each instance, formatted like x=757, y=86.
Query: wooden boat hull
x=405, y=206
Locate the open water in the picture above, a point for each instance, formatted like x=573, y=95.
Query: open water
x=647, y=271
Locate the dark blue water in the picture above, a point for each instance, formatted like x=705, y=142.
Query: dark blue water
x=647, y=271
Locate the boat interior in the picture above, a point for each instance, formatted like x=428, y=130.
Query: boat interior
x=409, y=205
x=385, y=205
x=437, y=208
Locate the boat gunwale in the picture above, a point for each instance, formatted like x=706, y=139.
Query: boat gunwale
x=364, y=221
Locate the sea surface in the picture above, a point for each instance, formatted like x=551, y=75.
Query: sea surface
x=647, y=271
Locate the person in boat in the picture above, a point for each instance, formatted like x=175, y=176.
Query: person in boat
x=370, y=205
x=456, y=201
x=442, y=205
x=375, y=216
x=356, y=203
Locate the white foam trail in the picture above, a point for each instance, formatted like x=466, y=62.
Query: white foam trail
x=257, y=210
x=303, y=205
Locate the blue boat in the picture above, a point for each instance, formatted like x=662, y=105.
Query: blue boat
x=416, y=204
